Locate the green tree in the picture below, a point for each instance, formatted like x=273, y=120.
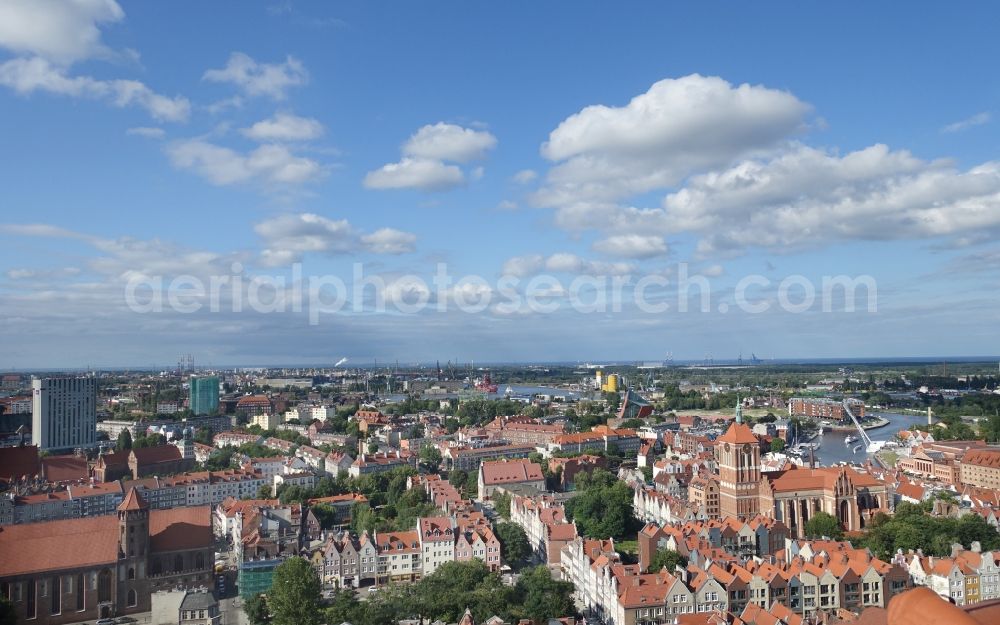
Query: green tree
x=604, y=507
x=372, y=447
x=824, y=524
x=265, y=491
x=294, y=595
x=501, y=503
x=124, y=440
x=256, y=610
x=666, y=558
x=430, y=458
x=777, y=445
x=543, y=598
x=514, y=545
x=342, y=607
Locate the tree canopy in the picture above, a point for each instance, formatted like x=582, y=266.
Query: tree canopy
x=453, y=587
x=604, y=506
x=295, y=593
x=666, y=558
x=822, y=525
x=514, y=545
x=913, y=528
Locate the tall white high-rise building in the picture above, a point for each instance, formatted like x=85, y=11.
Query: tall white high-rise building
x=63, y=412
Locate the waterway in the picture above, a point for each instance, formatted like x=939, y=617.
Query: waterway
x=832, y=448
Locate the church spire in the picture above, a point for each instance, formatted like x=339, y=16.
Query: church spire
x=739, y=410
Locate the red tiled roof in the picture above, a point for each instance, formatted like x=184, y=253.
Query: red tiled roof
x=132, y=501
x=511, y=471
x=65, y=468
x=154, y=455
x=738, y=434
x=180, y=528
x=983, y=457
x=18, y=462
x=90, y=542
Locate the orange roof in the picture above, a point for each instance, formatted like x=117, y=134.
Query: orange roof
x=133, y=501
x=983, y=458
x=738, y=434
x=511, y=471
x=90, y=542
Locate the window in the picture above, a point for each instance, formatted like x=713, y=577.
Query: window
x=81, y=593
x=131, y=572
x=31, y=610
x=55, y=596
x=132, y=600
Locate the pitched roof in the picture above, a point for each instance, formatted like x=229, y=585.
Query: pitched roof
x=738, y=434
x=510, y=471
x=18, y=462
x=133, y=501
x=65, y=468
x=93, y=541
x=159, y=453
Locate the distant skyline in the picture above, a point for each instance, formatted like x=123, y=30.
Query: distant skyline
x=192, y=139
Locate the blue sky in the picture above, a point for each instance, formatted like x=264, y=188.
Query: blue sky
x=144, y=141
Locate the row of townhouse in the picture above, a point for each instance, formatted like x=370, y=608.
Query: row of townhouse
x=653, y=506
x=759, y=536
x=199, y=488
x=77, y=500
x=523, y=430
x=967, y=577
x=346, y=560
x=545, y=524
x=381, y=462
x=809, y=583
x=600, y=438
x=470, y=458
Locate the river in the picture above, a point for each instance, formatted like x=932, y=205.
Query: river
x=832, y=448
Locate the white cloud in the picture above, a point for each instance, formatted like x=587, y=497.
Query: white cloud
x=520, y=266
x=507, y=205
x=62, y=31
x=632, y=246
x=525, y=176
x=811, y=196
x=424, y=154
x=680, y=126
x=389, y=241
x=288, y=237
x=147, y=132
x=27, y=75
x=532, y=264
x=978, y=119
x=285, y=127
x=426, y=175
x=260, y=79
x=448, y=142
x=270, y=164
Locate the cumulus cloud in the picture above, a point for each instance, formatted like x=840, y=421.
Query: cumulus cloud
x=632, y=246
x=288, y=237
x=425, y=153
x=809, y=195
x=448, y=142
x=285, y=127
x=270, y=164
x=563, y=262
x=978, y=119
x=260, y=79
x=679, y=126
x=60, y=31
x=28, y=75
x=525, y=176
x=426, y=175
x=389, y=241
